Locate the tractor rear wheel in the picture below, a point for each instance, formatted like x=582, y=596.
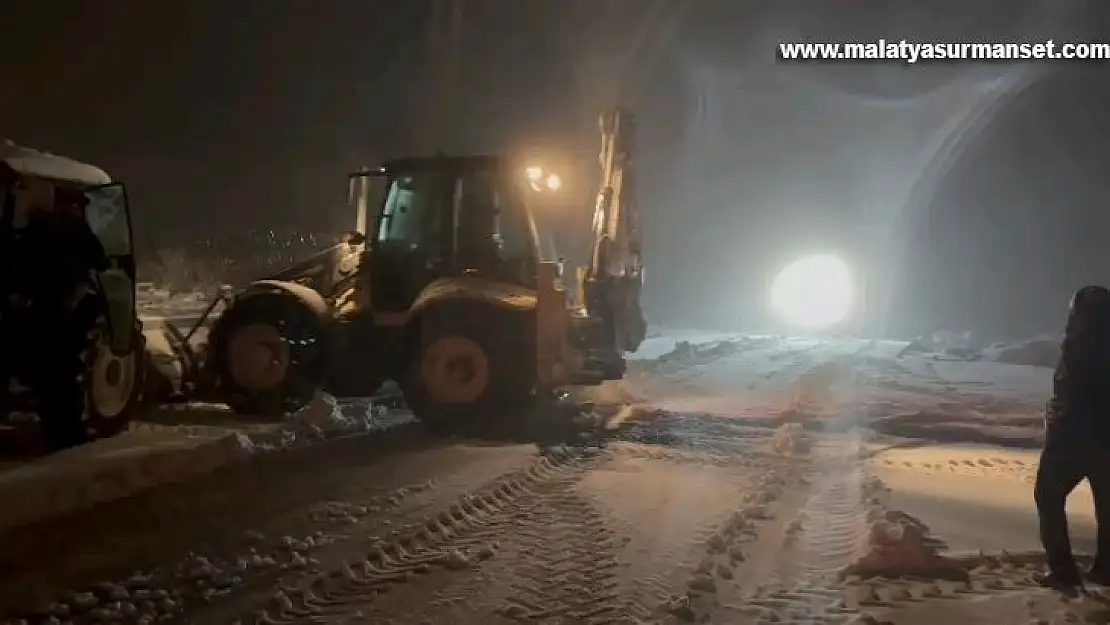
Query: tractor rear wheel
x=113, y=383
x=268, y=350
x=467, y=366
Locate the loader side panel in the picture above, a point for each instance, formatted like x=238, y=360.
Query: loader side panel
x=328, y=272
x=462, y=293
x=307, y=296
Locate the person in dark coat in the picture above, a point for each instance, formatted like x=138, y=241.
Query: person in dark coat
x=51, y=310
x=1077, y=440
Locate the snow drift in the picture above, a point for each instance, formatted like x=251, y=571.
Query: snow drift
x=1042, y=351
x=1038, y=352
x=151, y=455
x=896, y=544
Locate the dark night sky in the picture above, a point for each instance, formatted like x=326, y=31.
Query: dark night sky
x=239, y=114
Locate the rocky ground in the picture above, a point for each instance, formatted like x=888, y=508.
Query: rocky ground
x=730, y=480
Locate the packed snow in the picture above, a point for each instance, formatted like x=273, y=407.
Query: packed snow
x=162, y=450
x=731, y=479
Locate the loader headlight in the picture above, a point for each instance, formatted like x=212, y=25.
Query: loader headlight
x=541, y=180
x=814, y=292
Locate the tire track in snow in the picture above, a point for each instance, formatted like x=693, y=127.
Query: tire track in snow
x=777, y=559
x=667, y=512
x=566, y=559
x=437, y=549
x=555, y=559
x=835, y=517
x=745, y=548
x=832, y=529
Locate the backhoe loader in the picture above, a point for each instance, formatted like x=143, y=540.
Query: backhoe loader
x=440, y=287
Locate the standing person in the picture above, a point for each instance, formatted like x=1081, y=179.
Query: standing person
x=57, y=254
x=1077, y=441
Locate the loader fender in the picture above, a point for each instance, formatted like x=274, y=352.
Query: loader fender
x=311, y=300
x=470, y=294
x=467, y=288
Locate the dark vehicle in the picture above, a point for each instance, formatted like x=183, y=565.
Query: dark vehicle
x=84, y=209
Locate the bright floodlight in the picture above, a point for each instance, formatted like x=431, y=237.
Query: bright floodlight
x=814, y=292
x=554, y=182
x=534, y=173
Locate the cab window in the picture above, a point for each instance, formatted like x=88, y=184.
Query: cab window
x=412, y=215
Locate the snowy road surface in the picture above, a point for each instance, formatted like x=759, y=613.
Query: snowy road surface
x=742, y=480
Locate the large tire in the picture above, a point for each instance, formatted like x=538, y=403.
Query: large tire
x=468, y=364
x=113, y=383
x=269, y=354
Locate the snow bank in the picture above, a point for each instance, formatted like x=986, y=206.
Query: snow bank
x=959, y=344
x=894, y=547
x=689, y=353
x=661, y=342
x=108, y=470
x=1038, y=352
x=896, y=544
x=1042, y=351
x=152, y=455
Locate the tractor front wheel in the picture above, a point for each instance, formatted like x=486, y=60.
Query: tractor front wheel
x=269, y=353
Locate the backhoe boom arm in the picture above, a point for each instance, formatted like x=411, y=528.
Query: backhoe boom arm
x=612, y=282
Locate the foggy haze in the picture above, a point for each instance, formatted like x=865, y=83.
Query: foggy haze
x=965, y=196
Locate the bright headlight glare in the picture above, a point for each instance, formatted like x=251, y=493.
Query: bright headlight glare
x=814, y=292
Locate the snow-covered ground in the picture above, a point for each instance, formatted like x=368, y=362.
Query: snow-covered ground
x=880, y=383
x=172, y=444
x=733, y=479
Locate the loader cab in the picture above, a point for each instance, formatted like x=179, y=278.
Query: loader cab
x=443, y=216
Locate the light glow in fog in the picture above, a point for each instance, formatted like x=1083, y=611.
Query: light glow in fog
x=814, y=292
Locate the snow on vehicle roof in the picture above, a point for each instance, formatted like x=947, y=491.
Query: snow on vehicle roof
x=35, y=163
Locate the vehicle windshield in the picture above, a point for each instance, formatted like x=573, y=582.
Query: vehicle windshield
x=108, y=217
x=409, y=211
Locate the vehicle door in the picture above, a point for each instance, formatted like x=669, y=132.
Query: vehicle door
x=109, y=217
x=410, y=240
